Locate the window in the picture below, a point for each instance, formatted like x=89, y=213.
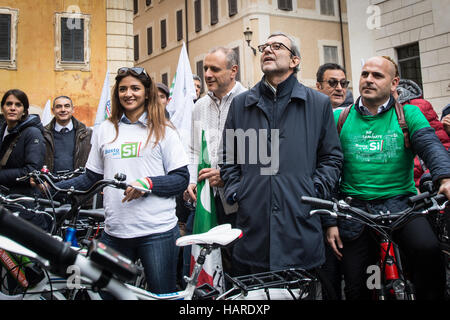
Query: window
x=285, y=5
x=8, y=38
x=232, y=8
x=165, y=79
x=198, y=15
x=163, y=34
x=148, y=3
x=179, y=25
x=149, y=40
x=330, y=54
x=135, y=6
x=136, y=47
x=238, y=75
x=199, y=68
x=409, y=63
x=72, y=49
x=72, y=41
x=5, y=37
x=214, y=10
x=327, y=7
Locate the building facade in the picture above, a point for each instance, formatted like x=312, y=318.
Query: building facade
x=161, y=27
x=415, y=33
x=64, y=47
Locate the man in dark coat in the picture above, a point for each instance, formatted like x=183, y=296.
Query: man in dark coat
x=280, y=143
x=68, y=141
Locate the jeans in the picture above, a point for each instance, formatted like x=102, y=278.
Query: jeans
x=158, y=254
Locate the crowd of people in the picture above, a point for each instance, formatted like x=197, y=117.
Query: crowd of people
x=268, y=145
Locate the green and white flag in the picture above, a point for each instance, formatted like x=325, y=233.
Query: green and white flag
x=205, y=219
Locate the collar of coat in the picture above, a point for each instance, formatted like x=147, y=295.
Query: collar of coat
x=297, y=90
x=76, y=124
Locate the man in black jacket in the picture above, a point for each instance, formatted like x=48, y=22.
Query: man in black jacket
x=68, y=141
x=280, y=142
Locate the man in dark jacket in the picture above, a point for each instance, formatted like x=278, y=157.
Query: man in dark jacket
x=280, y=142
x=68, y=141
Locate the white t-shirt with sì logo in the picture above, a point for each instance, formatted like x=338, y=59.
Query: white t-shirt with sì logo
x=129, y=154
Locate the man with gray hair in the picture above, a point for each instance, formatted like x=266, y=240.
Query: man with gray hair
x=298, y=153
x=209, y=114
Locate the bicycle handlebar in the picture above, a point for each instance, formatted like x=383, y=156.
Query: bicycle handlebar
x=44, y=202
x=59, y=254
x=339, y=208
x=118, y=182
x=36, y=239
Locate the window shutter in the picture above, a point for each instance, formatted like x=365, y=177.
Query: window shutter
x=214, y=8
x=135, y=6
x=238, y=75
x=198, y=15
x=165, y=79
x=136, y=47
x=232, y=8
x=149, y=40
x=199, y=68
x=163, y=34
x=72, y=39
x=179, y=25
x=78, y=42
x=285, y=5
x=5, y=37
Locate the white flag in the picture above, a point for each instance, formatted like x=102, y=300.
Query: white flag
x=47, y=114
x=104, y=106
x=182, y=95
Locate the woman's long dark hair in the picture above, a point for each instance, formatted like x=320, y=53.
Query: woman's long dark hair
x=21, y=96
x=156, y=119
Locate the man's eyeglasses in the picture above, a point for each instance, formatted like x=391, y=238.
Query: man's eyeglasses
x=274, y=46
x=137, y=71
x=334, y=83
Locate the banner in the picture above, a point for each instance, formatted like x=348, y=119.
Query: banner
x=47, y=114
x=104, y=106
x=182, y=95
x=205, y=218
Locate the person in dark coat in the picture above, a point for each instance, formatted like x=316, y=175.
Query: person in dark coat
x=280, y=143
x=68, y=141
x=409, y=92
x=22, y=147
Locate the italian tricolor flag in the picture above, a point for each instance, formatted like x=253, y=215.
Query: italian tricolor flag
x=205, y=219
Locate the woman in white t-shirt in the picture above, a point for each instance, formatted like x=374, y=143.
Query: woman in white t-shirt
x=139, y=141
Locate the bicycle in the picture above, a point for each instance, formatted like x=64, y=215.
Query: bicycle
x=105, y=268
x=393, y=283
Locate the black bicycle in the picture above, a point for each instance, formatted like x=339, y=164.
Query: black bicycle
x=393, y=284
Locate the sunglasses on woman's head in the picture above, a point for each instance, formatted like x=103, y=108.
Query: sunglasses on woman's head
x=137, y=71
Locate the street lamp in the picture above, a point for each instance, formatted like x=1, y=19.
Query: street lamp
x=248, y=37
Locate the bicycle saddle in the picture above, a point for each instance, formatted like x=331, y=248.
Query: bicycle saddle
x=221, y=235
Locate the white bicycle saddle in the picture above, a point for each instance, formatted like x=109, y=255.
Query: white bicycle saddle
x=222, y=235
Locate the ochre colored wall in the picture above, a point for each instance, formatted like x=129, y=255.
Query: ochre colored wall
x=36, y=74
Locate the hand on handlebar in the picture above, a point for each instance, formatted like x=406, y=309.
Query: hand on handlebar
x=445, y=187
x=334, y=240
x=42, y=187
x=132, y=193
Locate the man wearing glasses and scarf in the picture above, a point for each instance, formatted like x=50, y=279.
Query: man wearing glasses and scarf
x=332, y=81
x=292, y=126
